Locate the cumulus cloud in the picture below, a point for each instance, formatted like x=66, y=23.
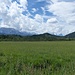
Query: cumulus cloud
x=52, y=20
x=12, y=17
x=38, y=18
x=10, y=11
x=34, y=10
x=23, y=3
x=62, y=20
x=65, y=12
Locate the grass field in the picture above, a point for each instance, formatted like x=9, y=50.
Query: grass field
x=37, y=58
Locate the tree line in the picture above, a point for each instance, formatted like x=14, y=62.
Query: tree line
x=44, y=37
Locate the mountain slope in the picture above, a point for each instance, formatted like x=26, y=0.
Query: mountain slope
x=71, y=35
x=44, y=37
x=11, y=31
x=12, y=34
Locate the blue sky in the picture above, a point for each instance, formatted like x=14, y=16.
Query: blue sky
x=38, y=16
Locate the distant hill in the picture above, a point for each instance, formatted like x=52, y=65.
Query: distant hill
x=71, y=35
x=44, y=37
x=12, y=31
x=40, y=37
x=10, y=34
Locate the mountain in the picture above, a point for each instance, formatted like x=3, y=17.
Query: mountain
x=11, y=31
x=15, y=35
x=71, y=35
x=44, y=37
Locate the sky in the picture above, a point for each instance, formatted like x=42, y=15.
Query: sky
x=38, y=16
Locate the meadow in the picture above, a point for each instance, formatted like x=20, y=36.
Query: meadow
x=37, y=58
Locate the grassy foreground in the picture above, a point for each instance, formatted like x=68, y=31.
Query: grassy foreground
x=37, y=58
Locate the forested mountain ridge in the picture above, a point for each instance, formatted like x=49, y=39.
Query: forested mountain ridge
x=40, y=37
x=71, y=35
x=9, y=34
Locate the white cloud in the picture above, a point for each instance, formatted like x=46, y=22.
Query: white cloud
x=67, y=0
x=61, y=22
x=40, y=0
x=34, y=10
x=52, y=20
x=54, y=1
x=23, y=3
x=38, y=18
x=12, y=17
x=62, y=9
x=65, y=12
x=9, y=14
x=14, y=10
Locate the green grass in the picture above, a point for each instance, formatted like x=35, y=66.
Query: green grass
x=37, y=58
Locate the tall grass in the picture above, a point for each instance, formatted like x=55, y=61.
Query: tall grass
x=37, y=58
